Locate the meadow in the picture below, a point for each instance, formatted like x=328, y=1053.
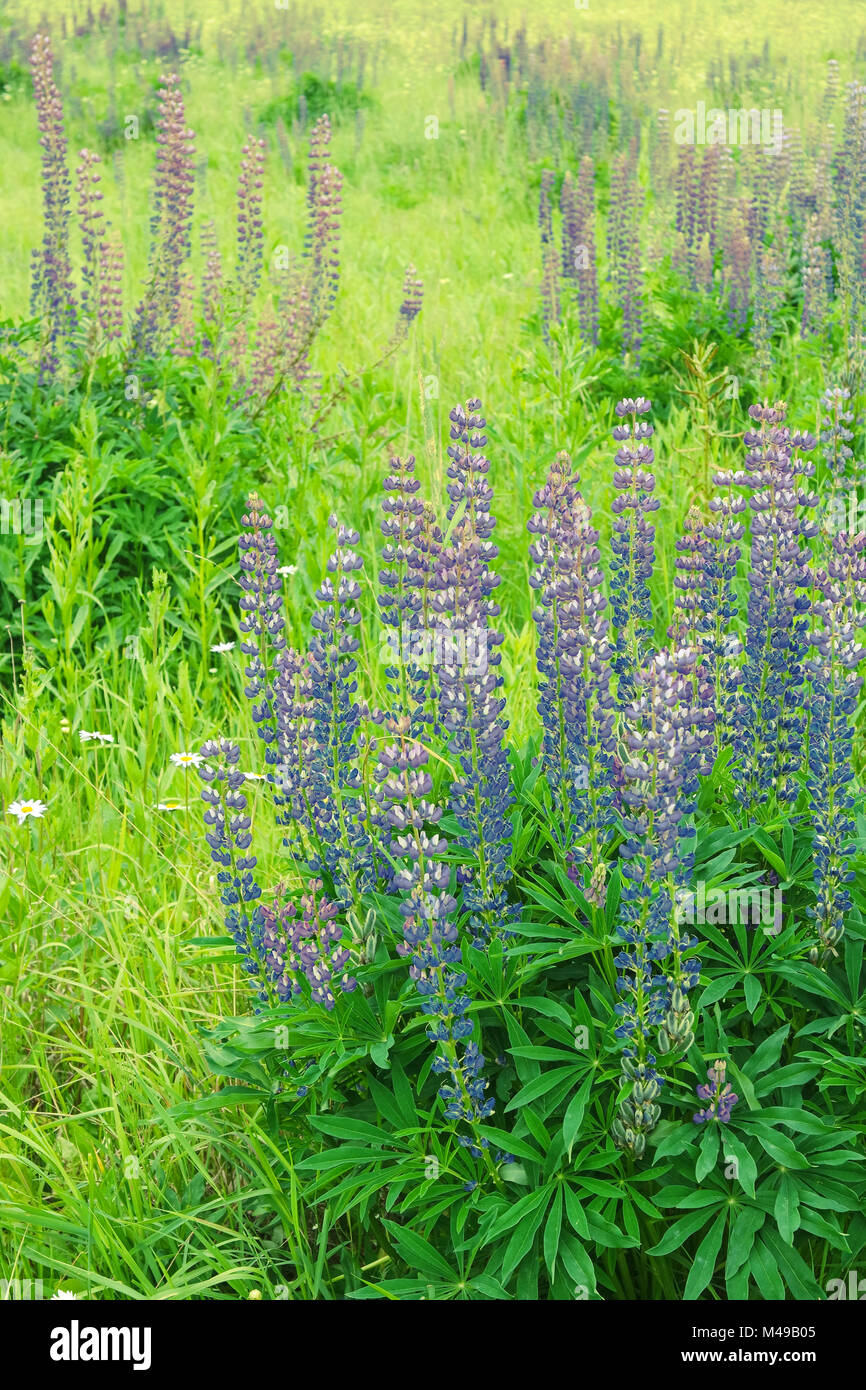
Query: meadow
x=455, y=889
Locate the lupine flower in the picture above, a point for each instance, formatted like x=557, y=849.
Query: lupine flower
x=336, y=792
x=720, y=1095
x=839, y=613
x=769, y=295
x=470, y=683
x=771, y=722
x=836, y=438
x=412, y=542
x=212, y=276
x=573, y=655
x=309, y=945
x=413, y=296
x=172, y=219
x=53, y=295
x=101, y=298
x=577, y=206
x=632, y=543
x=626, y=205
x=250, y=236
x=817, y=276
x=663, y=729
x=262, y=622
x=25, y=809
x=736, y=269
x=228, y=835
x=550, y=296
x=429, y=927
x=321, y=245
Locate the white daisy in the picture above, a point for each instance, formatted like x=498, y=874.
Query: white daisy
x=223, y=647
x=63, y=1293
x=256, y=776
x=23, y=809
x=186, y=759
x=170, y=805
x=86, y=737
x=287, y=569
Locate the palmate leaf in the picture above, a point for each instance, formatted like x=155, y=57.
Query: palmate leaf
x=419, y=1254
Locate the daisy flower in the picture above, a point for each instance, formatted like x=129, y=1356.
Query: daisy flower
x=287, y=569
x=256, y=776
x=186, y=759
x=223, y=647
x=63, y=1293
x=23, y=809
x=86, y=737
x=171, y=805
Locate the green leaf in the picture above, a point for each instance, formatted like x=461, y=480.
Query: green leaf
x=708, y=1152
x=747, y=1222
x=577, y=1262
x=552, y=1231
x=764, y=1270
x=747, y=1168
x=520, y=1243
x=704, y=1262
x=779, y=1147
x=787, y=1209
x=752, y=991
x=716, y=991
x=676, y=1141
x=573, y=1118
x=419, y=1254
x=680, y=1232
x=798, y=1276
x=768, y=1054
x=540, y=1086
x=511, y=1145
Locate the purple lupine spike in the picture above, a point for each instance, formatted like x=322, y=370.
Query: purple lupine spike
x=836, y=438
x=413, y=297
x=632, y=543
x=262, y=622
x=422, y=877
x=662, y=732
x=405, y=597
x=228, y=836
x=92, y=221
x=839, y=612
x=573, y=655
x=736, y=269
x=587, y=285
x=174, y=182
x=626, y=204
x=307, y=946
x=720, y=1095
x=817, y=276
x=250, y=235
x=321, y=244
x=53, y=295
x=550, y=289
x=770, y=722
x=469, y=679
x=110, y=307
x=338, y=799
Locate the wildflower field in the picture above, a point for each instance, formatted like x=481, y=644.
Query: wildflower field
x=432, y=593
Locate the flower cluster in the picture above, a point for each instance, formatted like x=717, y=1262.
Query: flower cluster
x=429, y=925
x=664, y=733
x=228, y=835
x=413, y=296
x=261, y=622
x=52, y=294
x=632, y=543
x=307, y=946
x=471, y=703
x=171, y=224
x=839, y=612
x=771, y=721
x=720, y=1095
x=250, y=236
x=575, y=702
